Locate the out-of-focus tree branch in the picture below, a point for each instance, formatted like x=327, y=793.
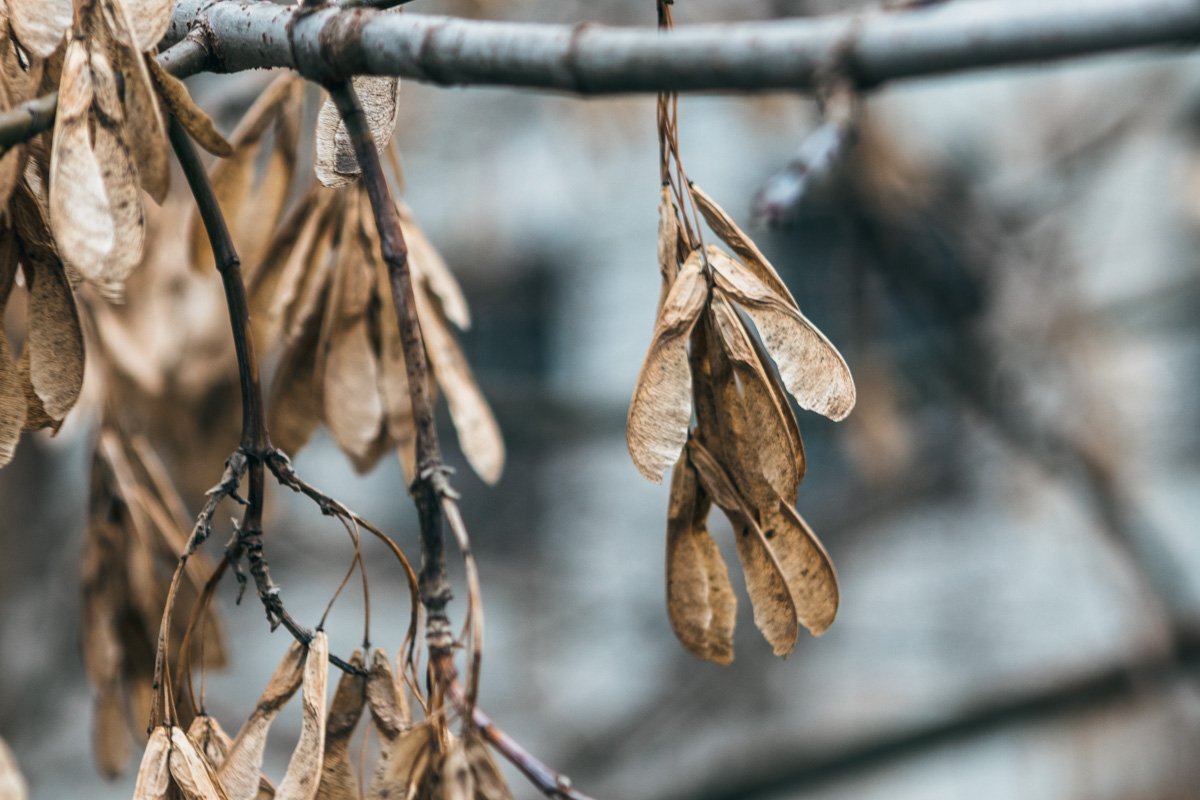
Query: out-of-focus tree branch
x=874, y=47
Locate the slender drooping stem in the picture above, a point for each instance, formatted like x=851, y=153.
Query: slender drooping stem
x=255, y=448
x=431, y=483
x=431, y=490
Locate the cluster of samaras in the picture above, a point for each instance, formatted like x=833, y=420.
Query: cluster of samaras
x=416, y=758
x=73, y=201
x=744, y=452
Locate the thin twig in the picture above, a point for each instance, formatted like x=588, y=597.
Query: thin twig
x=255, y=447
x=431, y=490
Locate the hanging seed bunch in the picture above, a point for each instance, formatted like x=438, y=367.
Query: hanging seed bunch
x=420, y=759
x=729, y=345
x=135, y=532
x=320, y=290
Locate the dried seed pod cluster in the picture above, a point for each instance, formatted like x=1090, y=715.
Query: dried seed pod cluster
x=729, y=345
x=415, y=758
x=135, y=532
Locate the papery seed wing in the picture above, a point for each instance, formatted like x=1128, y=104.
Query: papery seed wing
x=149, y=20
x=119, y=173
x=40, y=24
x=661, y=408
x=304, y=770
x=772, y=435
x=740, y=243
x=805, y=565
x=478, y=433
x=457, y=781
x=80, y=214
x=210, y=739
x=774, y=609
x=55, y=343
x=429, y=267
x=337, y=775
x=700, y=600
x=812, y=369
x=154, y=774
x=489, y=782
x=36, y=417
x=296, y=409
x=181, y=106
x=240, y=773
x=408, y=758
x=12, y=782
x=12, y=395
x=385, y=698
x=145, y=126
x=336, y=164
x=191, y=772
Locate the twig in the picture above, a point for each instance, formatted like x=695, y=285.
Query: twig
x=431, y=489
x=332, y=44
x=255, y=448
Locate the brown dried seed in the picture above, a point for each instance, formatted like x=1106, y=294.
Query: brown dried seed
x=457, y=781
x=179, y=101
x=40, y=24
x=55, y=343
x=154, y=774
x=12, y=395
x=812, y=369
x=409, y=757
x=335, y=164
x=149, y=20
x=661, y=408
x=431, y=269
x=338, y=781
x=145, y=127
x=191, y=772
x=240, y=773
x=740, y=243
x=304, y=770
x=80, y=214
x=773, y=438
x=700, y=600
x=774, y=608
x=489, y=782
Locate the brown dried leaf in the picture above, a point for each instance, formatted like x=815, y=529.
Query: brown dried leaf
x=478, y=434
x=191, y=772
x=772, y=437
x=812, y=369
x=661, y=408
x=337, y=775
x=181, y=106
x=335, y=163
x=240, y=773
x=304, y=770
x=55, y=343
x=40, y=24
x=154, y=774
x=700, y=600
x=774, y=609
x=724, y=226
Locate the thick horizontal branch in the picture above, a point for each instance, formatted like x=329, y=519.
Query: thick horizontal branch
x=874, y=47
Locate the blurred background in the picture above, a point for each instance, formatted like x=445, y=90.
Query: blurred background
x=1006, y=259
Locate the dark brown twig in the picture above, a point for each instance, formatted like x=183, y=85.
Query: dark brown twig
x=255, y=448
x=432, y=493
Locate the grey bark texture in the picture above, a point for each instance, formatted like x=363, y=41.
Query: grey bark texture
x=870, y=47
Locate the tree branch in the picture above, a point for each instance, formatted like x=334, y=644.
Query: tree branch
x=330, y=44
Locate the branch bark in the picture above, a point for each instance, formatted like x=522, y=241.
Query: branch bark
x=330, y=44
